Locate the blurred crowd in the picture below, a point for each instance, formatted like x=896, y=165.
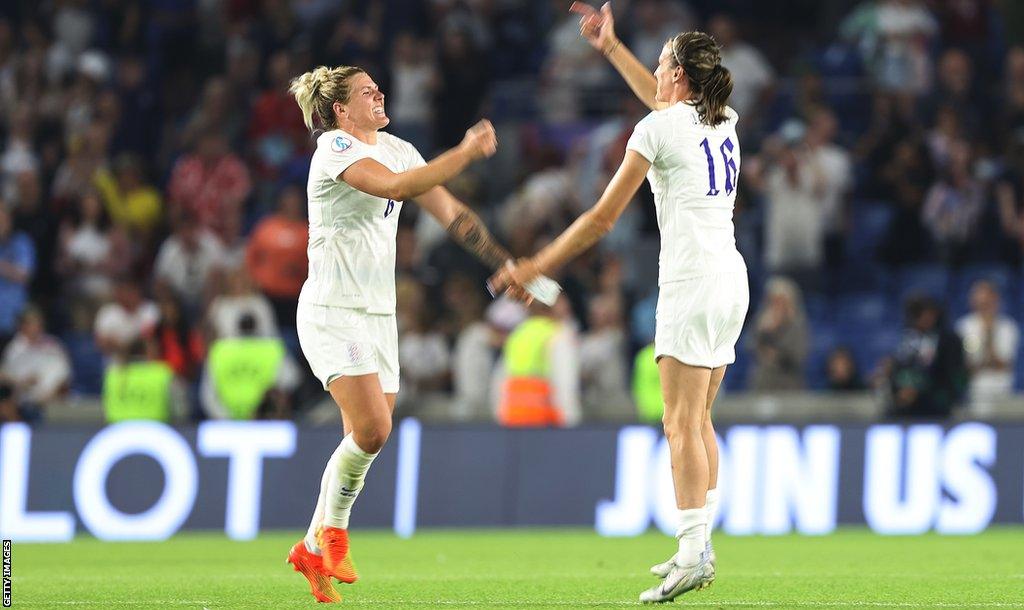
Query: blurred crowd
x=152, y=200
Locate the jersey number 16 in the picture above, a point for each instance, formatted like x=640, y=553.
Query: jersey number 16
x=731, y=171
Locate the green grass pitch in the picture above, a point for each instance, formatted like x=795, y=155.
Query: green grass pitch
x=529, y=569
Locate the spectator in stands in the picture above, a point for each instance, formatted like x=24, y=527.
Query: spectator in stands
x=603, y=366
x=238, y=301
x=276, y=130
x=903, y=180
x=90, y=255
x=836, y=170
x=541, y=200
x=217, y=110
x=955, y=89
x=248, y=376
x=780, y=338
x=18, y=154
x=657, y=21
x=139, y=385
x=927, y=375
x=571, y=74
x=540, y=379
x=132, y=204
x=35, y=365
x=474, y=357
x=463, y=81
x=414, y=83
x=893, y=38
x=422, y=350
x=276, y=255
x=752, y=77
x=210, y=184
x=990, y=340
x=17, y=265
x=841, y=371
x=32, y=218
x=178, y=344
x=1009, y=196
x=124, y=320
x=87, y=152
x=794, y=183
x=186, y=260
x=137, y=130
x=954, y=204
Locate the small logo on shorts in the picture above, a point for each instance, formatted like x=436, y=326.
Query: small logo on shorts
x=355, y=352
x=341, y=144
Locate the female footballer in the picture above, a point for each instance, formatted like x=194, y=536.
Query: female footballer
x=687, y=148
x=358, y=179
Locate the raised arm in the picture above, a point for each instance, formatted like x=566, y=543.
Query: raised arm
x=586, y=231
x=372, y=177
x=464, y=226
x=598, y=28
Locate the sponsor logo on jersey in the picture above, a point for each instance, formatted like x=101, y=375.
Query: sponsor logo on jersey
x=340, y=144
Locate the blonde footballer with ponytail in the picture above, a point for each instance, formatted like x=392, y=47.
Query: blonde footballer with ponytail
x=359, y=177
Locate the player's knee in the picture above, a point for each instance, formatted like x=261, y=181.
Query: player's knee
x=681, y=428
x=373, y=437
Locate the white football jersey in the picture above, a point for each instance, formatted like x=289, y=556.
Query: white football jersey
x=694, y=172
x=352, y=234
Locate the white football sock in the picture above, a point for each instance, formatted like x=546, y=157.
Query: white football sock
x=693, y=523
x=321, y=502
x=345, y=482
x=712, y=507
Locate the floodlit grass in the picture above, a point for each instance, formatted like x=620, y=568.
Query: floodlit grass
x=529, y=568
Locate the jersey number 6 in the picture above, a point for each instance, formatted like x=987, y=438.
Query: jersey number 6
x=731, y=171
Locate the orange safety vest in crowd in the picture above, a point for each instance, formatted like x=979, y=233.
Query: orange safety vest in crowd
x=526, y=398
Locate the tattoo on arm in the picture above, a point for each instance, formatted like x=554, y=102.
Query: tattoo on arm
x=469, y=231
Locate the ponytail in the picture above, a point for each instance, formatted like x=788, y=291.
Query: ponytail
x=710, y=81
x=715, y=92
x=316, y=91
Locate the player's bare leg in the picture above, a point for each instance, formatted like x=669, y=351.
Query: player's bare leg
x=368, y=411
x=685, y=389
x=662, y=569
x=711, y=446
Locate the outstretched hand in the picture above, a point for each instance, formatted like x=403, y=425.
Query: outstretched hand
x=597, y=27
x=512, y=278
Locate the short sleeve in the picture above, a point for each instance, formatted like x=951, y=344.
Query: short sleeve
x=340, y=151
x=645, y=139
x=413, y=157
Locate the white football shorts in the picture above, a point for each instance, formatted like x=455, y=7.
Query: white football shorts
x=699, y=320
x=339, y=341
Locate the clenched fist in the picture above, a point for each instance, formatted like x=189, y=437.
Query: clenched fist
x=480, y=140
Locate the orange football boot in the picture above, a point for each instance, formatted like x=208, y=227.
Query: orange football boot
x=333, y=542
x=311, y=566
